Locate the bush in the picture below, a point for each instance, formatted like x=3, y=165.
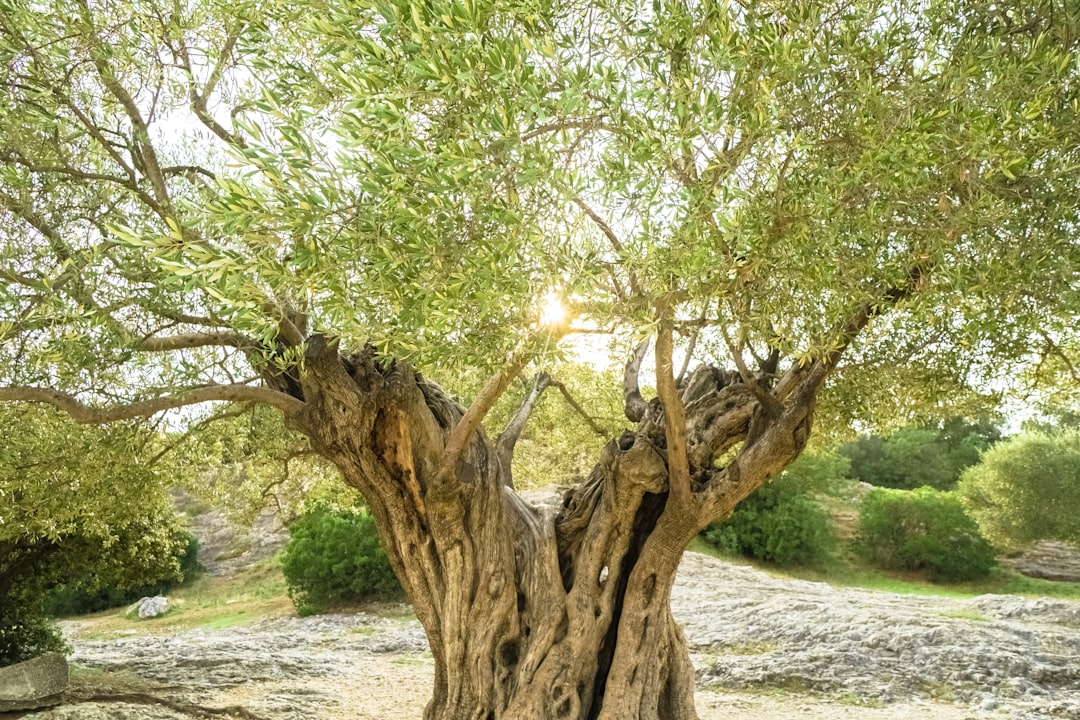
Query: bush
x=93, y=592
x=25, y=632
x=1027, y=489
x=76, y=501
x=335, y=556
x=776, y=524
x=925, y=530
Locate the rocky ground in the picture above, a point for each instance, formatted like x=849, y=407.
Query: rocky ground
x=764, y=647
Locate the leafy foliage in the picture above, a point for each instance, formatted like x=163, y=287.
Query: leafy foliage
x=89, y=591
x=1026, y=489
x=76, y=502
x=558, y=444
x=335, y=556
x=915, y=456
x=776, y=524
x=416, y=175
x=922, y=530
x=817, y=471
x=243, y=460
x=25, y=632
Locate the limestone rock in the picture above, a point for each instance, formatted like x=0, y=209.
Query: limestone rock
x=1048, y=560
x=149, y=607
x=999, y=655
x=33, y=684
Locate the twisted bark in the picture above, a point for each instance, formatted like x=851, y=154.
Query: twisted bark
x=538, y=612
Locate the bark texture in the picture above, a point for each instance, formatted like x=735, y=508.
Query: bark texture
x=545, y=613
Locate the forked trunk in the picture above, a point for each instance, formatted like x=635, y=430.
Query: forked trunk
x=560, y=612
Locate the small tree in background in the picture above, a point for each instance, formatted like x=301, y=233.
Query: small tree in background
x=917, y=456
x=1026, y=489
x=89, y=589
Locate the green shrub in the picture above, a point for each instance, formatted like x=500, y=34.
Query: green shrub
x=1027, y=489
x=25, y=632
x=335, y=556
x=776, y=524
x=924, y=530
x=93, y=591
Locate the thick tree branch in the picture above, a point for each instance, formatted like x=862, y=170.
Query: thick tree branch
x=816, y=372
x=634, y=404
x=1053, y=348
x=127, y=182
x=674, y=412
x=767, y=400
x=187, y=170
x=186, y=319
x=200, y=97
x=589, y=420
x=508, y=438
x=691, y=345
x=470, y=421
x=191, y=340
x=223, y=58
x=140, y=129
x=86, y=414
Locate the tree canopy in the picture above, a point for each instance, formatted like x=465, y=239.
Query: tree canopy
x=915, y=456
x=75, y=503
x=189, y=190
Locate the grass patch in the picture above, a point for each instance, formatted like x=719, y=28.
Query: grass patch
x=228, y=620
x=965, y=614
x=207, y=603
x=854, y=700
x=749, y=648
x=409, y=660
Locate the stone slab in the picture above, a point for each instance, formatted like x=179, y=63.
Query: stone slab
x=34, y=683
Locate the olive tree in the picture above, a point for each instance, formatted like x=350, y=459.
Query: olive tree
x=324, y=207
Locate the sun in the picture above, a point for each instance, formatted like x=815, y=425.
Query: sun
x=553, y=311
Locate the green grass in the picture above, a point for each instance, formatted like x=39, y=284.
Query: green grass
x=749, y=648
x=965, y=614
x=421, y=659
x=207, y=603
x=855, y=700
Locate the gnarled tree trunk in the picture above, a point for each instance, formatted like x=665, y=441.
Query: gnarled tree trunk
x=543, y=612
